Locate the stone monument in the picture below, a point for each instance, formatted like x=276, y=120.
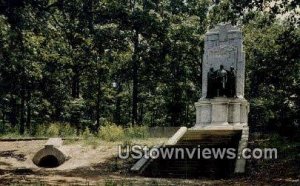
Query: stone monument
x=222, y=102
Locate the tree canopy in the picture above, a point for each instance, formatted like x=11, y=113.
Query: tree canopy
x=138, y=62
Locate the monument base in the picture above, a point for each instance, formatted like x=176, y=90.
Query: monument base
x=228, y=114
x=220, y=123
x=221, y=111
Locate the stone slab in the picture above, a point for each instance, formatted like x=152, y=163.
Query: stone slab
x=223, y=46
x=54, y=142
x=177, y=136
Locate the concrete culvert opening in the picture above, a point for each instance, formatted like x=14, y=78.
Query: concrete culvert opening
x=49, y=161
x=52, y=155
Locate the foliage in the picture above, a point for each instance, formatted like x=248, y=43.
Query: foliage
x=111, y=132
x=273, y=64
x=137, y=132
x=137, y=63
x=55, y=130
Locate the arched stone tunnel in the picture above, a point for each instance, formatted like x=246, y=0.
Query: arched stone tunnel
x=52, y=155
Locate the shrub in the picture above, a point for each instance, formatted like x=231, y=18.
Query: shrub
x=111, y=132
x=40, y=130
x=66, y=130
x=11, y=135
x=87, y=133
x=2, y=128
x=108, y=132
x=55, y=130
x=137, y=132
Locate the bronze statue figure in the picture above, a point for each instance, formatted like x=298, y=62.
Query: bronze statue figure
x=231, y=82
x=221, y=82
x=211, y=81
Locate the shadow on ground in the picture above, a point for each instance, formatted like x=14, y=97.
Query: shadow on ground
x=12, y=154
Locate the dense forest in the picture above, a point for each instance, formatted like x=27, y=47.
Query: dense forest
x=138, y=62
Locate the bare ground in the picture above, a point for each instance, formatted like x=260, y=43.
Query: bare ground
x=98, y=165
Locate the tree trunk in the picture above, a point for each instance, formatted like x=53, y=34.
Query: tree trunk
x=118, y=105
x=75, y=83
x=14, y=111
x=141, y=115
x=22, y=112
x=134, y=116
x=28, y=119
x=98, y=101
x=3, y=117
